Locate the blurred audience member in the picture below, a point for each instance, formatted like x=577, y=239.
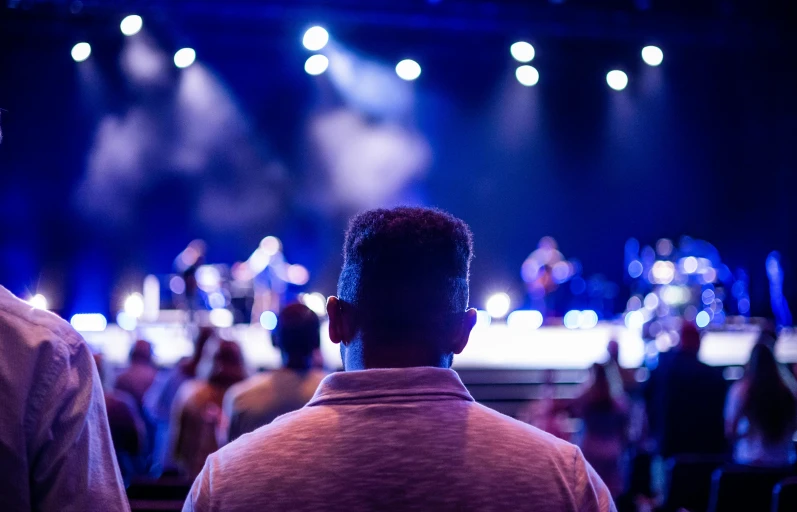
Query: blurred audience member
x=397, y=430
x=260, y=399
x=196, y=412
x=603, y=409
x=128, y=430
x=684, y=401
x=544, y=412
x=138, y=377
x=56, y=452
x=761, y=413
x=626, y=376
x=159, y=398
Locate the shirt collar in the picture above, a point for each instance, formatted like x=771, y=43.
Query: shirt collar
x=390, y=385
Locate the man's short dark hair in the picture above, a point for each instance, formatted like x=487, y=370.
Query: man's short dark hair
x=298, y=330
x=406, y=270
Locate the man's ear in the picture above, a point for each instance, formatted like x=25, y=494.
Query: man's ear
x=463, y=333
x=341, y=322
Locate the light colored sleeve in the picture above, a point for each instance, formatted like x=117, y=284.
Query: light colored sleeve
x=199, y=499
x=73, y=465
x=590, y=493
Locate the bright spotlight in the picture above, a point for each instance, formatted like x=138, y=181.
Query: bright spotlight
x=134, y=305
x=89, y=322
x=184, y=57
x=315, y=301
x=498, y=305
x=38, y=301
x=408, y=69
x=316, y=64
x=131, y=25
x=522, y=51
x=315, y=38
x=652, y=55
x=81, y=52
x=616, y=79
x=268, y=320
x=527, y=75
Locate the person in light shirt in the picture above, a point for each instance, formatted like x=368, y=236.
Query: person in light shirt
x=56, y=452
x=397, y=430
x=262, y=398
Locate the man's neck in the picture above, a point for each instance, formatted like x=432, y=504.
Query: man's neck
x=409, y=356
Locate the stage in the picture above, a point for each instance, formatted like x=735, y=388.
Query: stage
x=497, y=346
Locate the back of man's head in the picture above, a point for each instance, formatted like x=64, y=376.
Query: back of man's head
x=141, y=352
x=297, y=334
x=405, y=272
x=690, y=338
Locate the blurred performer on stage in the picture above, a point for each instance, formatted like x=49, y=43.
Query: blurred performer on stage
x=270, y=275
x=186, y=264
x=780, y=307
x=543, y=271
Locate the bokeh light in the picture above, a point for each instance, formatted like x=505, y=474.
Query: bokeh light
x=617, y=80
x=652, y=55
x=527, y=75
x=315, y=38
x=131, y=25
x=316, y=64
x=268, y=320
x=522, y=51
x=134, y=305
x=38, y=301
x=81, y=52
x=184, y=57
x=408, y=69
x=498, y=305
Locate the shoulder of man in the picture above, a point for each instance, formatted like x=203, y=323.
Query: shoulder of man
x=31, y=327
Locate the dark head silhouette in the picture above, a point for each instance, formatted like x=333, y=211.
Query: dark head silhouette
x=403, y=290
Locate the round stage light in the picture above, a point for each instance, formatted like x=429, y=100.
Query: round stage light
x=408, y=69
x=38, y=301
x=522, y=51
x=131, y=25
x=498, y=305
x=184, y=57
x=315, y=38
x=617, y=80
x=652, y=55
x=134, y=305
x=527, y=75
x=81, y=52
x=316, y=64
